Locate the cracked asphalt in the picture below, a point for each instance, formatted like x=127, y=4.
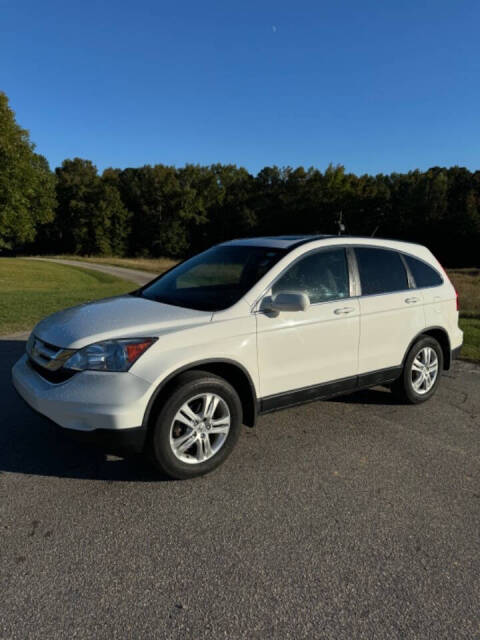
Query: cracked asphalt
x=352, y=518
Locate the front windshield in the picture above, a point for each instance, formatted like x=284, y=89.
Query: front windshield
x=214, y=279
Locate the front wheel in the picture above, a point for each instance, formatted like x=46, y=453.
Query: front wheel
x=197, y=427
x=421, y=373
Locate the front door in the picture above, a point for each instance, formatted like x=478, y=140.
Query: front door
x=320, y=345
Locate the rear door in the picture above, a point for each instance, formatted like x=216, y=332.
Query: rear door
x=391, y=312
x=306, y=348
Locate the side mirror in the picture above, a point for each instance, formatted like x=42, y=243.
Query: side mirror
x=286, y=302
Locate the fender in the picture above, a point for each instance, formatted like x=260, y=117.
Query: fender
x=196, y=365
x=446, y=351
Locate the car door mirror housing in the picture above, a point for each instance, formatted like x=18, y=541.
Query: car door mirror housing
x=286, y=302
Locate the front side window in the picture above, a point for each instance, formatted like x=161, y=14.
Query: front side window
x=214, y=279
x=322, y=275
x=381, y=271
x=423, y=274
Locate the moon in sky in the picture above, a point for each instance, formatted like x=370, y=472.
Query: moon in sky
x=274, y=28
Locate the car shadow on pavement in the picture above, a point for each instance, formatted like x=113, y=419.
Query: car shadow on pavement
x=31, y=444
x=377, y=395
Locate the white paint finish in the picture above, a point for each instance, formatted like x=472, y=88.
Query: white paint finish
x=304, y=348
x=388, y=325
x=222, y=339
x=90, y=400
x=119, y=317
x=441, y=310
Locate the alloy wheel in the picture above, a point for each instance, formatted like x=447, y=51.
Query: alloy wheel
x=200, y=428
x=424, y=370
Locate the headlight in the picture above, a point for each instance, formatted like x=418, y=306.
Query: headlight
x=110, y=355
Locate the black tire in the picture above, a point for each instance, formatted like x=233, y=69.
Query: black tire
x=187, y=386
x=403, y=387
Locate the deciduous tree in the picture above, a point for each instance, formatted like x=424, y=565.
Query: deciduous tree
x=27, y=186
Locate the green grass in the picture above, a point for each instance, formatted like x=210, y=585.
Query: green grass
x=467, y=284
x=31, y=290
x=471, y=338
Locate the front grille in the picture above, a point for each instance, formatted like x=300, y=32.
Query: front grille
x=60, y=375
x=48, y=360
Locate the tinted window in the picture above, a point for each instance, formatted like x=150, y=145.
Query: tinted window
x=423, y=275
x=323, y=276
x=214, y=279
x=381, y=271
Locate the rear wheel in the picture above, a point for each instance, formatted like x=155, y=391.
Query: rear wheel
x=197, y=427
x=421, y=373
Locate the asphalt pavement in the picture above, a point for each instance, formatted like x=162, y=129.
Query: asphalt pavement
x=353, y=518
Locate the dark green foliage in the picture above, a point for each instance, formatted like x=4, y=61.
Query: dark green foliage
x=167, y=211
x=91, y=218
x=27, y=186
x=161, y=210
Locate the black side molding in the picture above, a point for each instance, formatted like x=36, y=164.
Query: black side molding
x=329, y=389
x=383, y=376
x=307, y=394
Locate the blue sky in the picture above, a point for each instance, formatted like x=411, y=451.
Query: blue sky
x=377, y=86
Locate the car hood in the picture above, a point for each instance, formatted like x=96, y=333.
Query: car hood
x=119, y=317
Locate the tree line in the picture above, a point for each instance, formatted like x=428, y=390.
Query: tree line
x=169, y=211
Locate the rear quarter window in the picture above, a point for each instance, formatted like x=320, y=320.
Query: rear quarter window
x=423, y=274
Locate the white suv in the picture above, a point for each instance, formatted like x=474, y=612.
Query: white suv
x=247, y=327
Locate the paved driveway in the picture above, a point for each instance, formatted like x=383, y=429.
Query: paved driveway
x=355, y=518
x=135, y=275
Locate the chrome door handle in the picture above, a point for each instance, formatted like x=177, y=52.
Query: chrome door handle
x=411, y=300
x=344, y=310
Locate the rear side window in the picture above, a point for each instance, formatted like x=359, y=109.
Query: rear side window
x=423, y=274
x=381, y=271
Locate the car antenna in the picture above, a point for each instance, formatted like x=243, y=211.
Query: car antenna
x=380, y=216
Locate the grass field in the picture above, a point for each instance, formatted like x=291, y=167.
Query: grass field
x=471, y=338
x=31, y=290
x=467, y=283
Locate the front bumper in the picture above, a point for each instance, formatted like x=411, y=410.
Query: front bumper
x=455, y=353
x=111, y=440
x=95, y=406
